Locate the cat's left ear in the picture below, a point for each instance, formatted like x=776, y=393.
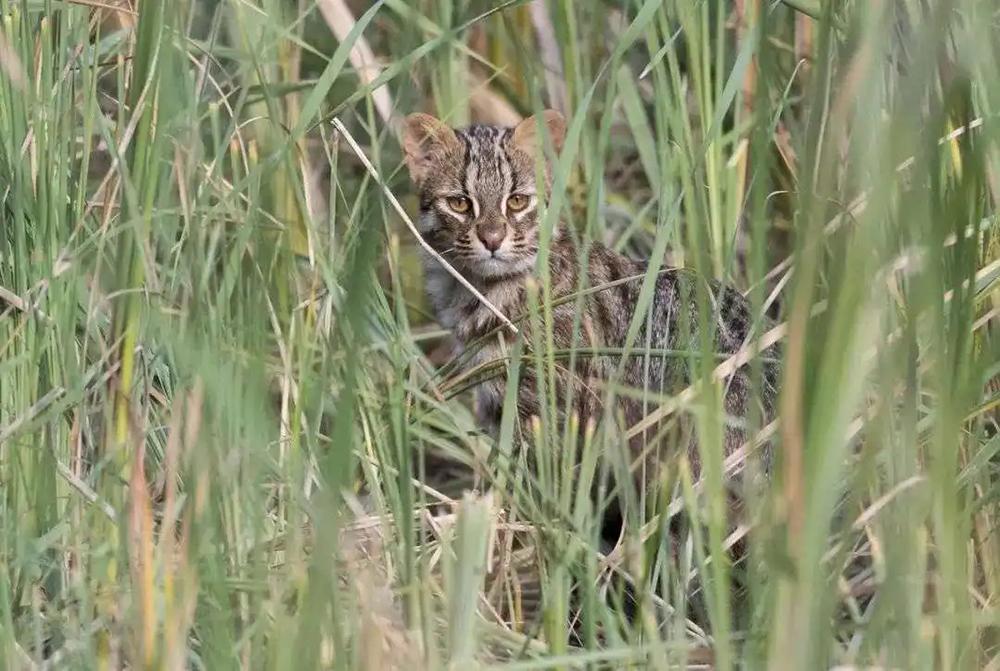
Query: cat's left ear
x=526, y=136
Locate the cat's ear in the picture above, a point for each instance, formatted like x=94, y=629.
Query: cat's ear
x=526, y=134
x=424, y=138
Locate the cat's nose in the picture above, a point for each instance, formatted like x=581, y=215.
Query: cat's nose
x=492, y=236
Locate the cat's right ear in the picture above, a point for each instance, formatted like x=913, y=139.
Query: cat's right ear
x=526, y=133
x=425, y=138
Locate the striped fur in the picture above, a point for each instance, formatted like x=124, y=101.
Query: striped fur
x=486, y=165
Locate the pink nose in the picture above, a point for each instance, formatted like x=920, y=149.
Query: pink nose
x=492, y=236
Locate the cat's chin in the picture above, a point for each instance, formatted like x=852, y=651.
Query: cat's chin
x=494, y=268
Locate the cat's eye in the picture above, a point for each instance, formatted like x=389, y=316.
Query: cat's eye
x=459, y=204
x=517, y=202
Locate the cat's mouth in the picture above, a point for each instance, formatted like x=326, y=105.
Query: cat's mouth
x=501, y=264
x=508, y=259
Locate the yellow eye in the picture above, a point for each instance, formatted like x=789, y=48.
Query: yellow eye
x=517, y=202
x=459, y=204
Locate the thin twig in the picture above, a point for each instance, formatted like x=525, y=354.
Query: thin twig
x=86, y=491
x=56, y=395
x=413, y=229
x=15, y=301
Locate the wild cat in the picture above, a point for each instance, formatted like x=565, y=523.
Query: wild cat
x=479, y=209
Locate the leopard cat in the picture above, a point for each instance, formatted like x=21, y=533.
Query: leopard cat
x=480, y=211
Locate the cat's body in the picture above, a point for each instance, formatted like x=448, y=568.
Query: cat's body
x=477, y=196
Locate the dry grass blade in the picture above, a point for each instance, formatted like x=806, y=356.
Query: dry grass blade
x=555, y=80
x=86, y=491
x=339, y=18
x=120, y=7
x=11, y=64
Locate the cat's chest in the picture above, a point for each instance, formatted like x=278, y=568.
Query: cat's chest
x=458, y=309
x=442, y=290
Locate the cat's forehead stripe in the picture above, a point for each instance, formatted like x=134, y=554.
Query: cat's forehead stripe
x=466, y=160
x=487, y=165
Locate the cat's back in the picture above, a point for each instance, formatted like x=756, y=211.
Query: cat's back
x=673, y=317
x=672, y=308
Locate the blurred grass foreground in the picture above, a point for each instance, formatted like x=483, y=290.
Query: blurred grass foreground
x=229, y=438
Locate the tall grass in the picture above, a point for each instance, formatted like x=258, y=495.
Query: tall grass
x=227, y=438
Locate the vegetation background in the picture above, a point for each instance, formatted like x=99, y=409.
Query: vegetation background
x=227, y=439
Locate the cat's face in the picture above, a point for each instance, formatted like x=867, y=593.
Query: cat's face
x=478, y=200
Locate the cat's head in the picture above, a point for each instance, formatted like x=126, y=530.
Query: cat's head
x=478, y=200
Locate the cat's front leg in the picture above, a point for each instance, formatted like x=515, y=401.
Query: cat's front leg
x=489, y=407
